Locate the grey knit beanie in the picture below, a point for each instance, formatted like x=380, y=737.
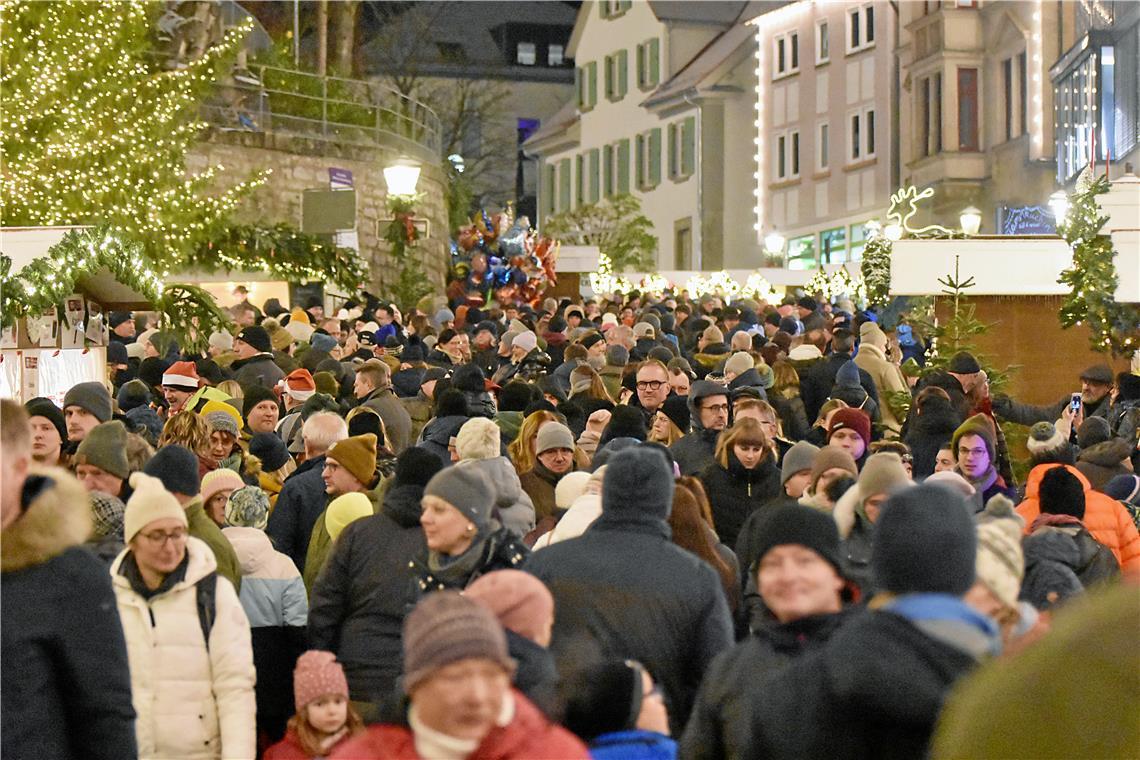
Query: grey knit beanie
x=466, y=488
x=797, y=459
x=447, y=627
x=94, y=397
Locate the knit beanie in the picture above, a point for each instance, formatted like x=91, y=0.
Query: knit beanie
x=466, y=488
x=317, y=675
x=107, y=514
x=882, y=473
x=299, y=331
x=871, y=334
x=625, y=422
x=479, y=438
x=44, y=407
x=639, y=482
x=256, y=337
x=150, y=501
x=963, y=363
x=797, y=524
x=1061, y=493
x=181, y=375
x=952, y=480
x=469, y=378
x=271, y=450
x=221, y=417
x=105, y=447
x=322, y=342
x=415, y=467
x=851, y=419
x=221, y=479
x=1047, y=443
x=344, y=509
x=676, y=408
x=831, y=457
x=739, y=363
x=604, y=698
x=553, y=435
x=1092, y=431
x=325, y=383
x=798, y=458
x=177, y=468
x=527, y=341
x=1001, y=563
x=357, y=454
x=1125, y=488
x=133, y=394
x=446, y=627
x=924, y=542
x=569, y=488
x=616, y=355
x=248, y=507
x=367, y=422
x=518, y=600
x=94, y=397
x=254, y=395
x=280, y=339
x=712, y=334
x=981, y=426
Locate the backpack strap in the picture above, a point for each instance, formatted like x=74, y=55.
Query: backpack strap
x=207, y=592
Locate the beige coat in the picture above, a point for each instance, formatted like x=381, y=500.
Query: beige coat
x=192, y=704
x=888, y=378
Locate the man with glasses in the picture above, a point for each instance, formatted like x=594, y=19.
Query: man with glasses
x=973, y=446
x=710, y=411
x=652, y=388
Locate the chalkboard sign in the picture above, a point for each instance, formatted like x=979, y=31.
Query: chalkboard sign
x=1027, y=220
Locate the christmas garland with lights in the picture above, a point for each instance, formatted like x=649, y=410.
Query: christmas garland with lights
x=1092, y=278
x=876, y=270
x=283, y=251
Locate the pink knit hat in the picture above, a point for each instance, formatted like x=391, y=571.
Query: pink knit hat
x=317, y=674
x=519, y=600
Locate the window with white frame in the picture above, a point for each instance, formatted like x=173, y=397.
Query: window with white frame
x=527, y=54
x=555, y=55
x=782, y=157
x=860, y=28
x=822, y=147
x=786, y=54
x=822, y=43
x=787, y=148
x=861, y=137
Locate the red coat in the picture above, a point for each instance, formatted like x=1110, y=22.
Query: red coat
x=530, y=735
x=1105, y=517
x=286, y=749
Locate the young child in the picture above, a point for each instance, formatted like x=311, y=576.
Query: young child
x=324, y=717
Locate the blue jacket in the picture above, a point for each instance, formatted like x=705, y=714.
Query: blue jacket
x=300, y=503
x=633, y=745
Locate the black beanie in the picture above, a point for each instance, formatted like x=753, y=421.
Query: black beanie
x=451, y=403
x=151, y=370
x=270, y=449
x=796, y=524
x=1061, y=493
x=924, y=542
x=177, y=468
x=963, y=363
x=43, y=407
x=638, y=481
x=515, y=396
x=676, y=408
x=257, y=337
x=416, y=466
x=133, y=394
x=367, y=421
x=625, y=422
x=252, y=395
x=604, y=698
x=469, y=378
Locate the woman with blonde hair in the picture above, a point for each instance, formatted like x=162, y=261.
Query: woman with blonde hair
x=188, y=429
x=784, y=395
x=742, y=477
x=232, y=388
x=586, y=383
x=521, y=450
x=670, y=422
x=818, y=433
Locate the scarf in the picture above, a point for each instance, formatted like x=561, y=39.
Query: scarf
x=1046, y=520
x=453, y=572
x=981, y=485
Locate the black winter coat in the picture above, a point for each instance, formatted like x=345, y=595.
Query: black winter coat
x=874, y=691
x=735, y=493
x=438, y=432
x=365, y=590
x=793, y=416
x=500, y=550
x=816, y=383
x=721, y=723
x=259, y=369
x=66, y=683
x=535, y=674
x=926, y=432
x=1051, y=560
x=300, y=503
x=695, y=451
x=623, y=589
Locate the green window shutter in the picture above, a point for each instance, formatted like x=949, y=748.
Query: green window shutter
x=548, y=188
x=654, y=55
x=608, y=77
x=579, y=179
x=622, y=185
x=639, y=161
x=688, y=145
x=578, y=81
x=608, y=170
x=641, y=67
x=564, y=184
x=592, y=82
x=654, y=157
x=624, y=5
x=623, y=73
x=604, y=8
x=595, y=186
x=672, y=151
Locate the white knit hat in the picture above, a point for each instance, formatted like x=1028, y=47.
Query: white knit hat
x=1000, y=560
x=222, y=340
x=527, y=340
x=149, y=502
x=479, y=438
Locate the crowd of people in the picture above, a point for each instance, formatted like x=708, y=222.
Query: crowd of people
x=651, y=527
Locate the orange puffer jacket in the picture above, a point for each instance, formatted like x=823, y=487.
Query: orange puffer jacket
x=1106, y=519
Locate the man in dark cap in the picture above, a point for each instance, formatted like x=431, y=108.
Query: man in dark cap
x=680, y=621
x=255, y=365
x=1096, y=382
x=122, y=327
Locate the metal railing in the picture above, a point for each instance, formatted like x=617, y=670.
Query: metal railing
x=334, y=109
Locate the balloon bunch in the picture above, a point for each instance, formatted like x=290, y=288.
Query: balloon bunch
x=502, y=258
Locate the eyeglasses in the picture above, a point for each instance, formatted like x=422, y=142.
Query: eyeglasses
x=649, y=385
x=972, y=452
x=159, y=538
x=715, y=408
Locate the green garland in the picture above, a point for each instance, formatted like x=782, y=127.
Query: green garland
x=191, y=314
x=411, y=283
x=284, y=252
x=1092, y=278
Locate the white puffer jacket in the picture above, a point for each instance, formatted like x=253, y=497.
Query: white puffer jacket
x=191, y=704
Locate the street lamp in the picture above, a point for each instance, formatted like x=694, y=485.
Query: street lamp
x=774, y=243
x=971, y=220
x=402, y=178
x=1059, y=203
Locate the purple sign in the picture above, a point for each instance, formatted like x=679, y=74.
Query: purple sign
x=340, y=179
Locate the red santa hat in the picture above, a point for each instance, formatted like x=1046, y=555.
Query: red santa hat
x=181, y=375
x=299, y=384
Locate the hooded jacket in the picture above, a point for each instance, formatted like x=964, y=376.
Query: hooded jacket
x=926, y=432
x=818, y=377
x=847, y=387
x=66, y=683
x=194, y=699
x=1102, y=462
x=438, y=433
x=359, y=602
x=695, y=450
x=887, y=377
x=1051, y=560
x=1106, y=519
x=513, y=507
x=259, y=369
